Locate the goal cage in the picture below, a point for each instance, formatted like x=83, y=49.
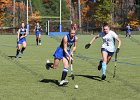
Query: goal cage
x=53, y=27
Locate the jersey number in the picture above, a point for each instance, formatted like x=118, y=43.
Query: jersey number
x=107, y=43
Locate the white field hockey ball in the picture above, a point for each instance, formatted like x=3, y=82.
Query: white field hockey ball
x=76, y=86
x=48, y=61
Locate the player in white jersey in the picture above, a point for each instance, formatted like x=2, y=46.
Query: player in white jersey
x=108, y=47
x=128, y=31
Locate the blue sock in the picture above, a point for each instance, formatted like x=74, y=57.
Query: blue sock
x=104, y=68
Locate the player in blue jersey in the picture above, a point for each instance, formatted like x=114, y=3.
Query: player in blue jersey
x=108, y=47
x=38, y=30
x=63, y=52
x=21, y=40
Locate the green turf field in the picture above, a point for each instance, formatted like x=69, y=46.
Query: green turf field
x=27, y=79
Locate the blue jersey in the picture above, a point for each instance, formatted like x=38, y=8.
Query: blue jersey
x=70, y=42
x=38, y=28
x=60, y=53
x=22, y=32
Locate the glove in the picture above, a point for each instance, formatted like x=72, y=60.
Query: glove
x=87, y=46
x=118, y=49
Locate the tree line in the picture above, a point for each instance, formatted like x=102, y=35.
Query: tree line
x=93, y=12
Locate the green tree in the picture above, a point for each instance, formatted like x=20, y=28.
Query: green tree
x=53, y=6
x=103, y=11
x=97, y=13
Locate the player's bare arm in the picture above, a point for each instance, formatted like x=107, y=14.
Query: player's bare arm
x=119, y=42
x=94, y=39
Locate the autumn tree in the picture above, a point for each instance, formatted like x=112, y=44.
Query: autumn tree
x=3, y=11
x=6, y=10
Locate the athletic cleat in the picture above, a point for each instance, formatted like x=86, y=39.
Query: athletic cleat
x=100, y=65
x=63, y=82
x=103, y=77
x=20, y=53
x=49, y=65
x=17, y=56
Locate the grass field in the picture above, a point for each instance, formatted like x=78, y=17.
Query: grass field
x=27, y=79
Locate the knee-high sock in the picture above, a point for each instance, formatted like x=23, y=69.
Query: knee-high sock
x=64, y=73
x=17, y=52
x=104, y=65
x=23, y=48
x=37, y=41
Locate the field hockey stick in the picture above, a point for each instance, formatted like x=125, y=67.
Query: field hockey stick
x=71, y=66
x=115, y=65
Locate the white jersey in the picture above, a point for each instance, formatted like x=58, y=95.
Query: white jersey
x=108, y=40
x=128, y=27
